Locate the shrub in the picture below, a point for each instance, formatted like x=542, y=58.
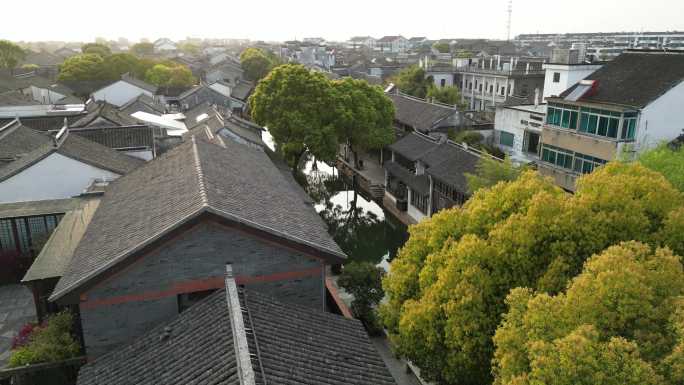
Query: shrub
x=22, y=339
x=363, y=280
x=50, y=343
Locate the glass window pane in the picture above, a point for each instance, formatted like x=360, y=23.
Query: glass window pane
x=506, y=138
x=593, y=121
x=602, y=126
x=565, y=123
x=613, y=124
x=23, y=234
x=573, y=120
x=7, y=236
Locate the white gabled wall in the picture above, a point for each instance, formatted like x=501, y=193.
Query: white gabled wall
x=662, y=120
x=120, y=93
x=55, y=177
x=569, y=75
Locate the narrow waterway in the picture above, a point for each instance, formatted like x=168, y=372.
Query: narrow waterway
x=362, y=228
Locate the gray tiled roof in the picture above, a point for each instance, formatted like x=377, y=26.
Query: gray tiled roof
x=139, y=83
x=418, y=113
x=233, y=181
x=120, y=137
x=296, y=346
x=242, y=90
x=31, y=208
x=57, y=252
x=78, y=148
x=15, y=98
x=143, y=103
x=413, y=147
x=198, y=350
x=635, y=78
x=447, y=161
x=17, y=140
x=104, y=114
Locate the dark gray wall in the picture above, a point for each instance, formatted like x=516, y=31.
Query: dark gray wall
x=196, y=255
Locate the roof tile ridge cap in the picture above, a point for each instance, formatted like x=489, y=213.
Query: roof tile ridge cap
x=246, y=373
x=200, y=172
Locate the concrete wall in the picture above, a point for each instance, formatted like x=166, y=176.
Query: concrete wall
x=603, y=148
x=120, y=93
x=509, y=120
x=661, y=120
x=145, y=294
x=569, y=75
x=54, y=177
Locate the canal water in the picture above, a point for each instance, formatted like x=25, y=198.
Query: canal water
x=360, y=226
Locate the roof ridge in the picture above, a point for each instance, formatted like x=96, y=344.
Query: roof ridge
x=243, y=359
x=200, y=173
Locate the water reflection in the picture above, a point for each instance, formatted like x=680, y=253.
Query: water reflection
x=364, y=231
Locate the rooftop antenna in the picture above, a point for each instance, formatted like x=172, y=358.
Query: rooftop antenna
x=508, y=25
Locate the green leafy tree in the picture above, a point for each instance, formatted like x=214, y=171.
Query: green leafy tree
x=294, y=103
x=170, y=76
x=10, y=54
x=447, y=95
x=442, y=47
x=446, y=289
x=412, y=81
x=81, y=68
x=364, y=115
x=363, y=280
x=97, y=49
x=489, y=172
x=667, y=161
x=190, y=48
x=255, y=63
x=143, y=49
x=113, y=66
x=53, y=342
x=619, y=322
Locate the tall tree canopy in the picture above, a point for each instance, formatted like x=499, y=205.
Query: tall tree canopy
x=256, y=63
x=85, y=67
x=412, y=81
x=170, y=75
x=364, y=115
x=295, y=104
x=143, y=48
x=10, y=54
x=447, y=286
x=96, y=48
x=619, y=322
x=447, y=95
x=442, y=47
x=667, y=161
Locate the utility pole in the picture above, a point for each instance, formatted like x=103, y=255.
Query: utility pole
x=508, y=25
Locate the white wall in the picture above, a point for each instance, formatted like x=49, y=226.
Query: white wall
x=44, y=95
x=55, y=177
x=509, y=120
x=120, y=93
x=448, y=79
x=661, y=120
x=569, y=75
x=140, y=154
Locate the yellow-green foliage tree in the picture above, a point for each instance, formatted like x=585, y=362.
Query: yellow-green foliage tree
x=170, y=75
x=619, y=322
x=446, y=288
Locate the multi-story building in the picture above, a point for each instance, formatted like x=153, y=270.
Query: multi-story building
x=393, y=44
x=566, y=67
x=607, y=46
x=361, y=42
x=517, y=131
x=489, y=82
x=630, y=104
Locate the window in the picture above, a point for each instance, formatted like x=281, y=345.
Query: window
x=629, y=126
x=186, y=300
x=537, y=118
x=6, y=236
x=599, y=122
x=506, y=138
x=557, y=156
x=491, y=89
x=503, y=91
x=442, y=83
x=556, y=77
x=562, y=116
x=585, y=164
x=419, y=201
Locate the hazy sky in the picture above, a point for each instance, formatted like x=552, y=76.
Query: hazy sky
x=334, y=20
